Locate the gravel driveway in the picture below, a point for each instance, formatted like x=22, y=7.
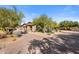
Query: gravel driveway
x=20, y=46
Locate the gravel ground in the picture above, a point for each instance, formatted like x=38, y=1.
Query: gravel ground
x=20, y=46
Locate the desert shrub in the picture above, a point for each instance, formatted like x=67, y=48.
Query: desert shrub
x=49, y=33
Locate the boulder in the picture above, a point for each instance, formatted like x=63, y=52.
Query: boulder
x=17, y=32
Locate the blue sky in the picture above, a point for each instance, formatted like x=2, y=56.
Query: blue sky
x=56, y=12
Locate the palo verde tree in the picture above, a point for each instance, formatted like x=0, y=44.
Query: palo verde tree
x=43, y=23
x=55, y=25
x=68, y=24
x=75, y=24
x=10, y=18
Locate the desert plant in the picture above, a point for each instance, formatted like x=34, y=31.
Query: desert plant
x=10, y=18
x=43, y=23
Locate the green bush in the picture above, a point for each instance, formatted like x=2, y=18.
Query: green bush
x=49, y=33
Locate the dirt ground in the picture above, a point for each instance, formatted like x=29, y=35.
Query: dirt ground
x=65, y=42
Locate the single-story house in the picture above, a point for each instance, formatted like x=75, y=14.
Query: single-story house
x=28, y=27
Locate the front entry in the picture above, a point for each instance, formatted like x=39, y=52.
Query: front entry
x=29, y=28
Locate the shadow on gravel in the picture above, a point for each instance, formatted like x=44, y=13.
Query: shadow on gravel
x=72, y=42
x=51, y=45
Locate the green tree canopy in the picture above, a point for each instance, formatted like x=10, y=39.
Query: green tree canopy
x=44, y=22
x=75, y=24
x=68, y=24
x=10, y=18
